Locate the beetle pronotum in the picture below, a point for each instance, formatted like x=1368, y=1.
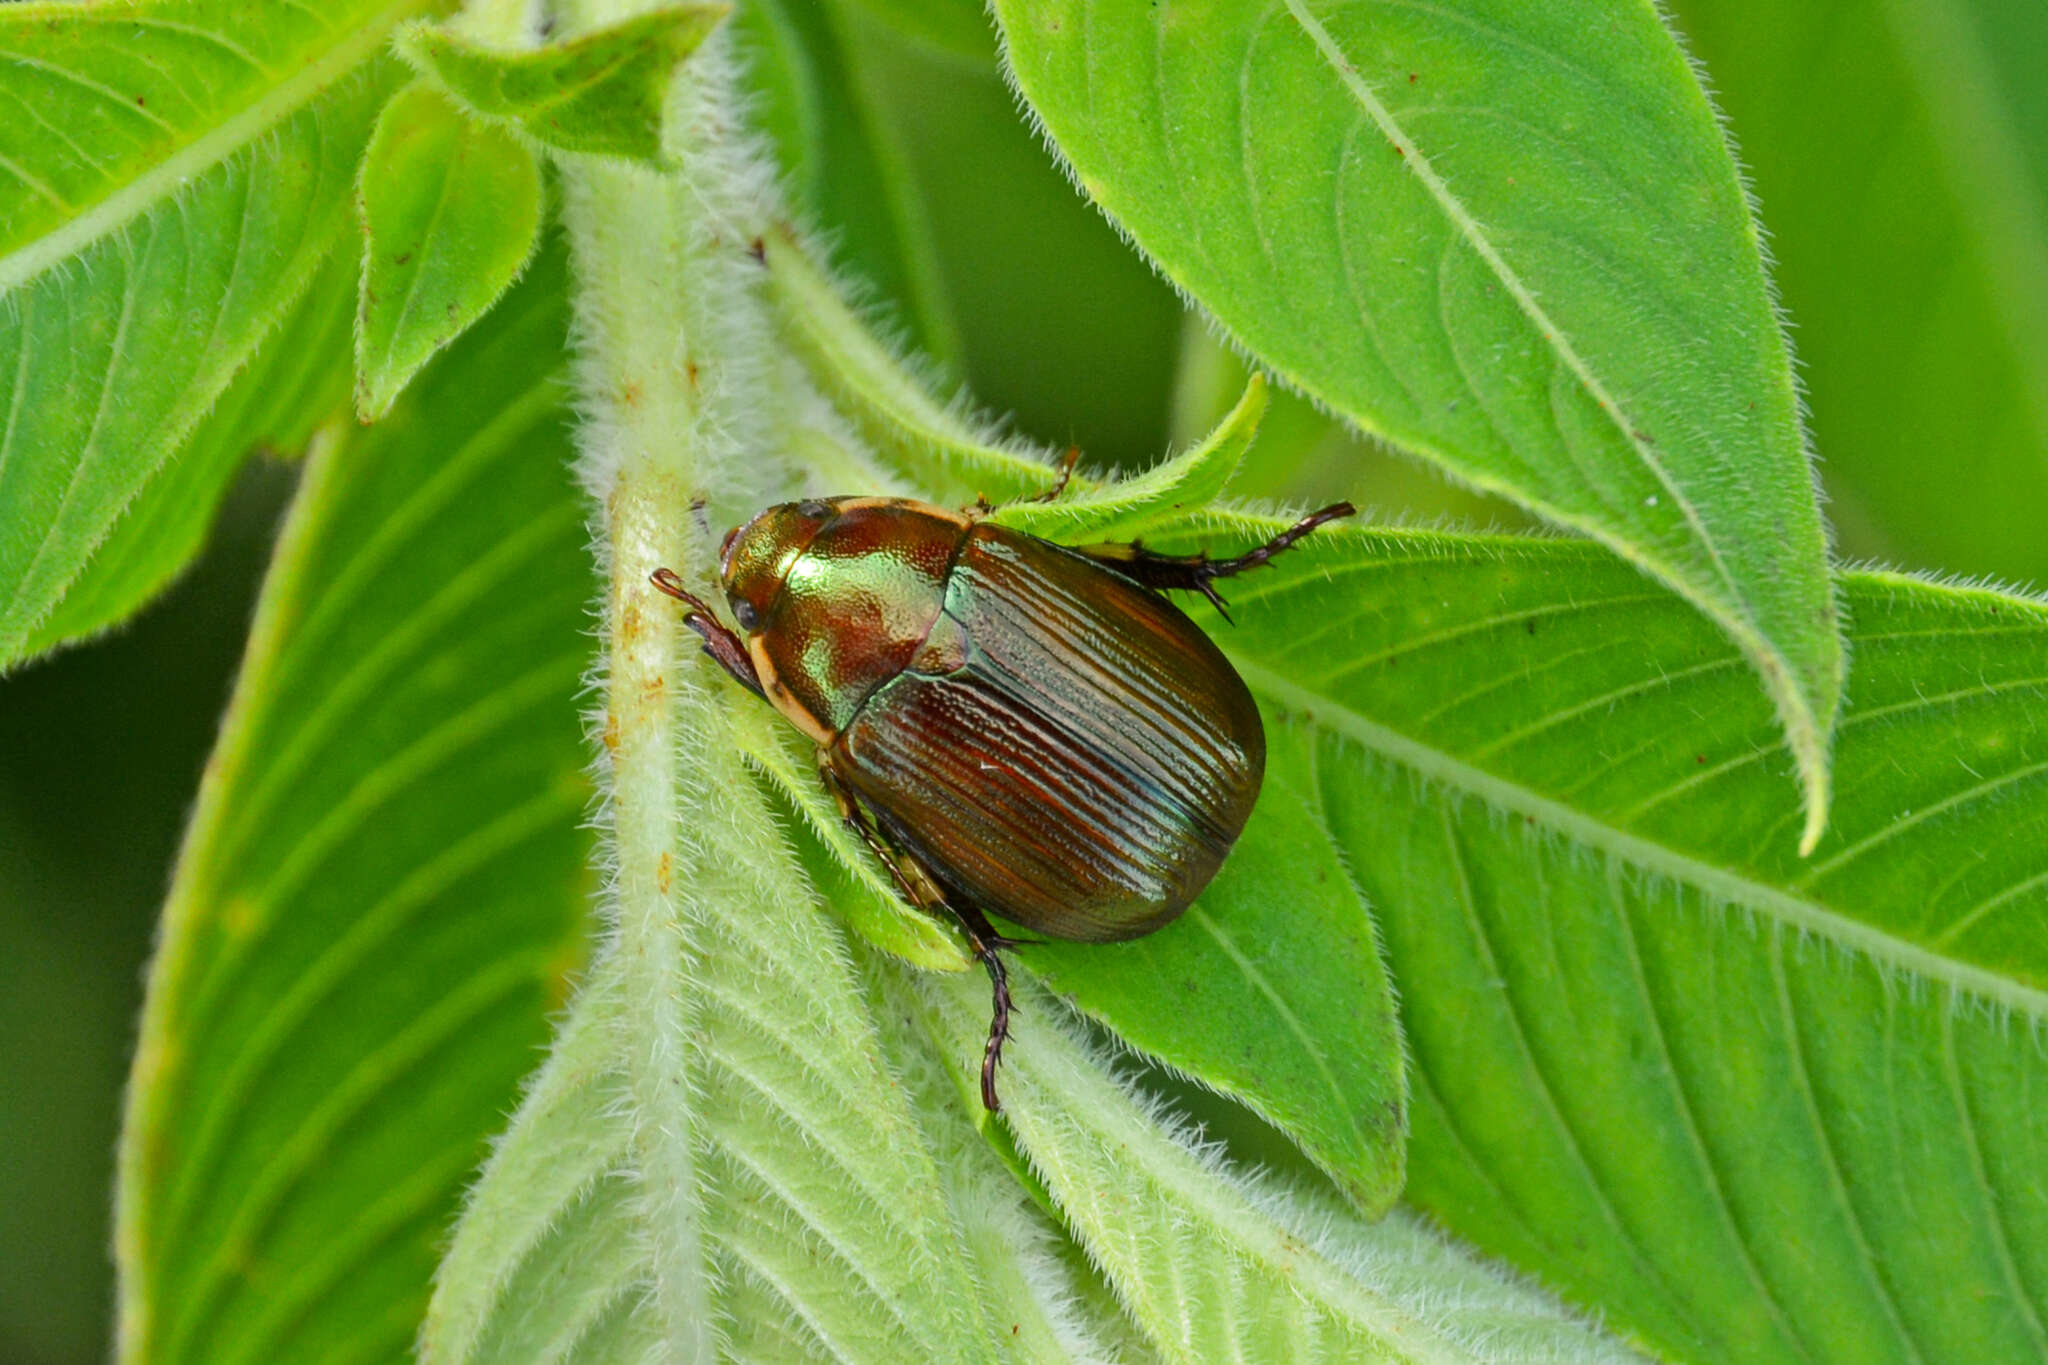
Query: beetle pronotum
x=1013, y=727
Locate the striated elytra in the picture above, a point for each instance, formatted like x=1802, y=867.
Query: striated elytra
x=1014, y=727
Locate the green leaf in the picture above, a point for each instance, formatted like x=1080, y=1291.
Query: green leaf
x=297, y=381
x=1215, y=1264
x=1514, y=245
x=1187, y=483
x=383, y=887
x=450, y=209
x=176, y=174
x=1752, y=1107
x=1923, y=327
x=601, y=92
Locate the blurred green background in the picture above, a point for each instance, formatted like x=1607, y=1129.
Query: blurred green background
x=1899, y=152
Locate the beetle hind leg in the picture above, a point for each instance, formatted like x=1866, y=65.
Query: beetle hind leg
x=1198, y=572
x=921, y=890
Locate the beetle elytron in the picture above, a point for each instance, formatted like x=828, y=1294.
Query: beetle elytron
x=1013, y=727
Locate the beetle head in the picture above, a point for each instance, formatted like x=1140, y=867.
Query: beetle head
x=755, y=559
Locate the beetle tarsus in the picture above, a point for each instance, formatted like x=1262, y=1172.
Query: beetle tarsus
x=1198, y=572
x=998, y=1024
x=1067, y=463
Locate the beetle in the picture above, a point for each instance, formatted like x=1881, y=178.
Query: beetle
x=1012, y=726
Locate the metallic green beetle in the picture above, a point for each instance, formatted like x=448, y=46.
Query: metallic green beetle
x=1014, y=727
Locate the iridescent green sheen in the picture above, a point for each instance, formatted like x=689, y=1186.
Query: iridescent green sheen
x=845, y=612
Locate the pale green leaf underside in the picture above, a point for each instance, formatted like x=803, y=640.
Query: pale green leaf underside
x=171, y=176
x=450, y=208
x=824, y=1216
x=384, y=883
x=602, y=92
x=1752, y=1106
x=1509, y=240
x=1214, y=1265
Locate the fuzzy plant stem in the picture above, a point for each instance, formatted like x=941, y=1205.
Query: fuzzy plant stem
x=643, y=472
x=647, y=270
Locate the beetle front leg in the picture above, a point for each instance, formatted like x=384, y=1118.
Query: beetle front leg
x=921, y=891
x=720, y=643
x=1198, y=572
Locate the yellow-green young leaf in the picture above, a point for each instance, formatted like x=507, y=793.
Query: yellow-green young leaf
x=176, y=174
x=1513, y=243
x=601, y=92
x=450, y=207
x=384, y=883
x=1173, y=488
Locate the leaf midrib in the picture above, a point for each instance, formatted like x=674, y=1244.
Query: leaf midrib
x=1719, y=883
x=162, y=181
x=1482, y=245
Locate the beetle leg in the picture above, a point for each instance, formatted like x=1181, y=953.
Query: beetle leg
x=721, y=644
x=1067, y=463
x=1198, y=572
x=982, y=506
x=921, y=891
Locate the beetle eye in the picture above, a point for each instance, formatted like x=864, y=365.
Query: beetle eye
x=744, y=613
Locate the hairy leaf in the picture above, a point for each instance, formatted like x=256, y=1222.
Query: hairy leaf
x=1188, y=482
x=1754, y=1107
x=1214, y=1264
x=450, y=209
x=1509, y=240
x=600, y=92
x=174, y=175
x=296, y=383
x=823, y=1212
x=384, y=883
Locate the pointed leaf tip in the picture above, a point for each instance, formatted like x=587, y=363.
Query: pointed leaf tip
x=450, y=208
x=601, y=93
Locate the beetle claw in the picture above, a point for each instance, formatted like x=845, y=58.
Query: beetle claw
x=1206, y=585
